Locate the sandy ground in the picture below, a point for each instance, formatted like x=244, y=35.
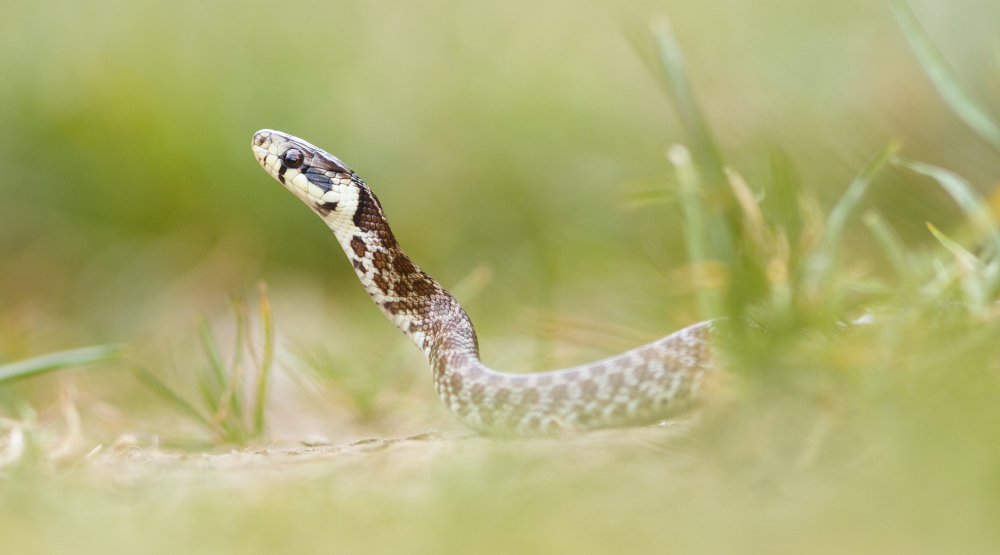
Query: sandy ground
x=386, y=459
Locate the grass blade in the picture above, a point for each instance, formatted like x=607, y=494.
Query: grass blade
x=674, y=74
x=695, y=227
x=169, y=395
x=722, y=213
x=944, y=77
x=207, y=394
x=59, y=360
x=782, y=193
x=753, y=217
x=266, y=360
x=822, y=260
x=236, y=370
x=965, y=259
x=214, y=358
x=890, y=242
x=971, y=273
x=965, y=195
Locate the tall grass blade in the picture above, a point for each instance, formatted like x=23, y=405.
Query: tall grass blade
x=822, y=260
x=264, y=372
x=722, y=214
x=965, y=195
x=890, y=242
x=207, y=394
x=169, y=395
x=944, y=77
x=214, y=358
x=695, y=227
x=965, y=259
x=753, y=217
x=236, y=369
x=671, y=59
x=781, y=201
x=971, y=273
x=59, y=360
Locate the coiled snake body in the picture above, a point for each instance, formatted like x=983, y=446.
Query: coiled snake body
x=641, y=386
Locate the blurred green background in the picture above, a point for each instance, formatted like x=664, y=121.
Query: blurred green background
x=518, y=149
x=494, y=133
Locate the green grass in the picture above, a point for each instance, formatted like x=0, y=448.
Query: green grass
x=230, y=414
x=57, y=361
x=863, y=420
x=945, y=79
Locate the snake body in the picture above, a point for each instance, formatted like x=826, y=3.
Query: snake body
x=642, y=386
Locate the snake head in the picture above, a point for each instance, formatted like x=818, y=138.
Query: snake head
x=317, y=177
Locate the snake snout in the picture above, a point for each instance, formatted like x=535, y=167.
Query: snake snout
x=262, y=138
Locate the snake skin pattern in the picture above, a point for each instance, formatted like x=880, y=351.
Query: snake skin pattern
x=641, y=386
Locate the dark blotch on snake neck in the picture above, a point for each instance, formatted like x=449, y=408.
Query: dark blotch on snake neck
x=358, y=246
x=366, y=212
x=327, y=207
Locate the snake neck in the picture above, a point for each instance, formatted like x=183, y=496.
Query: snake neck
x=640, y=386
x=413, y=301
x=637, y=387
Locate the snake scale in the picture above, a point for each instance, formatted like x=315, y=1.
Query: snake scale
x=642, y=386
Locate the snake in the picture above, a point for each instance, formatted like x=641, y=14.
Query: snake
x=649, y=384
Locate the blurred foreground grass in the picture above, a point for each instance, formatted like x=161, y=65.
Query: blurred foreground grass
x=518, y=149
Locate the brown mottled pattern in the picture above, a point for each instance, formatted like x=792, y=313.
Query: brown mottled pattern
x=642, y=386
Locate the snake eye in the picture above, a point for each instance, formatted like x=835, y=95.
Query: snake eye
x=293, y=158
